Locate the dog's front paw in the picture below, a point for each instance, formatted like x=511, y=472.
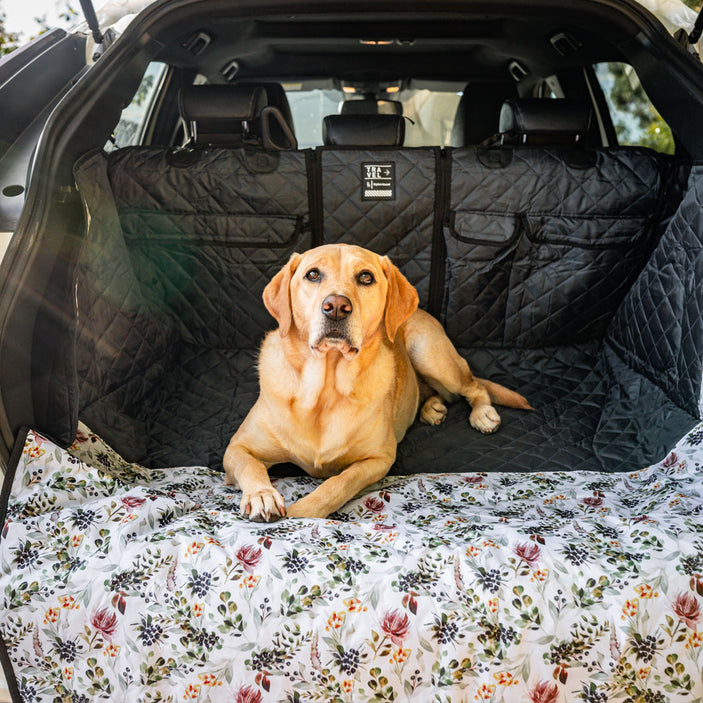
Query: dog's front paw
x=266, y=505
x=485, y=418
x=306, y=507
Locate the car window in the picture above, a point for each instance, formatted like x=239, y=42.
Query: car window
x=130, y=129
x=635, y=119
x=430, y=113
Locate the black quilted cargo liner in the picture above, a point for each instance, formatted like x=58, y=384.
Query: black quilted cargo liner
x=658, y=329
x=169, y=288
x=543, y=244
x=402, y=225
x=548, y=266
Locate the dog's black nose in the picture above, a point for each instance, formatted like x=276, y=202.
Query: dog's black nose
x=336, y=307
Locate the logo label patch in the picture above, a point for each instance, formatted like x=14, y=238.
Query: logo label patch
x=378, y=181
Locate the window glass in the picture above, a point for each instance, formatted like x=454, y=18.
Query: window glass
x=130, y=129
x=431, y=113
x=635, y=119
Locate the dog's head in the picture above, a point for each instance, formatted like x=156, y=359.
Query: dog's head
x=338, y=296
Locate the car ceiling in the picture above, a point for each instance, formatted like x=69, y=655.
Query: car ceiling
x=440, y=47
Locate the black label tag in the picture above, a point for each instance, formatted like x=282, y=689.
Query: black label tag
x=378, y=181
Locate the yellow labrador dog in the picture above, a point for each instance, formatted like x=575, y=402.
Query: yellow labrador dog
x=342, y=379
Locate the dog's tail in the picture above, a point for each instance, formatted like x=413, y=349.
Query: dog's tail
x=504, y=396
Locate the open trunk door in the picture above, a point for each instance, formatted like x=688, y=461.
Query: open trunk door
x=32, y=80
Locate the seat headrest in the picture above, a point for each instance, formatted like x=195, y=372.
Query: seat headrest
x=220, y=114
x=544, y=121
x=363, y=130
x=372, y=107
x=227, y=115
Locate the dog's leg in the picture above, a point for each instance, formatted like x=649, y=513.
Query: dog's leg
x=260, y=500
x=334, y=492
x=434, y=357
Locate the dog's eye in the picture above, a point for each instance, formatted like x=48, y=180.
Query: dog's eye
x=313, y=275
x=366, y=278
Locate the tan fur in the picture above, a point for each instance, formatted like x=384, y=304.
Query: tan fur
x=336, y=397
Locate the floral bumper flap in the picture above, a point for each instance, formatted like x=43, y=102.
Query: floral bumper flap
x=123, y=584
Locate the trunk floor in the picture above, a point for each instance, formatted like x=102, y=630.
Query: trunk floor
x=591, y=413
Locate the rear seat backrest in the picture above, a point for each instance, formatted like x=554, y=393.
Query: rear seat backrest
x=379, y=195
x=180, y=246
x=543, y=243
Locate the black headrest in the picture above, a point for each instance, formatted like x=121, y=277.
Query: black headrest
x=544, y=121
x=276, y=97
x=220, y=114
x=372, y=107
x=225, y=115
x=478, y=110
x=363, y=130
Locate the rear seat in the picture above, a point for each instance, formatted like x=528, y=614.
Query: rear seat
x=513, y=247
x=180, y=246
x=543, y=242
x=380, y=196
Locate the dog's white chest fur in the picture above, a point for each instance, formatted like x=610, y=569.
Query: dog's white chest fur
x=326, y=420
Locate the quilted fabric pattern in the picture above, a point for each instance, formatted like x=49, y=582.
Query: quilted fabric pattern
x=214, y=182
x=123, y=345
x=543, y=244
x=208, y=233
x=402, y=227
x=658, y=329
x=169, y=288
x=216, y=386
x=591, y=413
x=541, y=250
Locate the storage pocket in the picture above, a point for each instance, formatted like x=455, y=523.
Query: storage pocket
x=217, y=229
x=207, y=273
x=538, y=279
x=480, y=249
x=597, y=232
x=569, y=275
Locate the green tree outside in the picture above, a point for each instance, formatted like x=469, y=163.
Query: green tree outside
x=9, y=41
x=635, y=119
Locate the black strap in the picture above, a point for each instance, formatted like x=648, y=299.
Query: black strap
x=439, y=249
x=313, y=161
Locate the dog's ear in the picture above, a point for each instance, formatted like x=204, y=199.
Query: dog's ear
x=402, y=298
x=277, y=295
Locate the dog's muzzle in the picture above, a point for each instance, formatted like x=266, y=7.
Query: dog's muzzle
x=334, y=331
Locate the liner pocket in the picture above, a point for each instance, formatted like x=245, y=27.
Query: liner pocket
x=604, y=231
x=235, y=230
x=480, y=227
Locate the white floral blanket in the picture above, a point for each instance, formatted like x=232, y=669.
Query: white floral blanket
x=126, y=585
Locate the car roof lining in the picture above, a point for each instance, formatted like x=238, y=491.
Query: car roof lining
x=449, y=48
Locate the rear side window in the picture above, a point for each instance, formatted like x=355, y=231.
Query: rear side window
x=636, y=121
x=130, y=129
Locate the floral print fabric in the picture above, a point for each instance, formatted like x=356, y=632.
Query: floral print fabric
x=124, y=584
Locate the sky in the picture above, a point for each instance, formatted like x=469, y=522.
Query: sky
x=20, y=14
